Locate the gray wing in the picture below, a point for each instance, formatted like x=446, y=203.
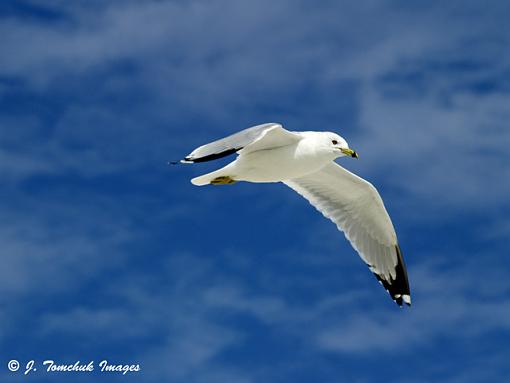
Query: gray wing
x=236, y=142
x=357, y=209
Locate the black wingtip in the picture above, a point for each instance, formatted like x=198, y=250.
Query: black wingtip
x=398, y=288
x=211, y=157
x=187, y=160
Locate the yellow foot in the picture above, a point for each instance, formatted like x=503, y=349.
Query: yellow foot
x=223, y=181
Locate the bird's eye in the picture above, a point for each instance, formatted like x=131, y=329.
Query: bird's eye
x=334, y=142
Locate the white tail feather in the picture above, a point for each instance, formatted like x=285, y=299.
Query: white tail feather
x=206, y=179
x=202, y=180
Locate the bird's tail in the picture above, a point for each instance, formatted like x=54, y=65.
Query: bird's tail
x=202, y=180
x=221, y=176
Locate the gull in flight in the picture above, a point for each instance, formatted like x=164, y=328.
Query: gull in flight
x=304, y=161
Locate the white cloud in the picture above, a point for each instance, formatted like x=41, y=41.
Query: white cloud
x=188, y=61
x=446, y=156
x=437, y=149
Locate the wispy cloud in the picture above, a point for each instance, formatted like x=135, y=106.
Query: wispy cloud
x=416, y=88
x=114, y=250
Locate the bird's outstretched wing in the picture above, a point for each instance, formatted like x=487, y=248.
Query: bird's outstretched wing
x=357, y=209
x=251, y=139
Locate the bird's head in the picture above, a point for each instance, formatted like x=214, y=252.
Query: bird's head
x=336, y=145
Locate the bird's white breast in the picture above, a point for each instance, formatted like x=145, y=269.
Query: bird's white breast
x=279, y=164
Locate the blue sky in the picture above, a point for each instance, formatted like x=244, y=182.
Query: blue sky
x=108, y=253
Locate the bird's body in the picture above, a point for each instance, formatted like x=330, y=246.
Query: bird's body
x=304, y=161
x=275, y=164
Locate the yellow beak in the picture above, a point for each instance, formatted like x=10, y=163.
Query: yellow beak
x=349, y=152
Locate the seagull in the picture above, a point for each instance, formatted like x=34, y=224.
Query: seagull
x=304, y=161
